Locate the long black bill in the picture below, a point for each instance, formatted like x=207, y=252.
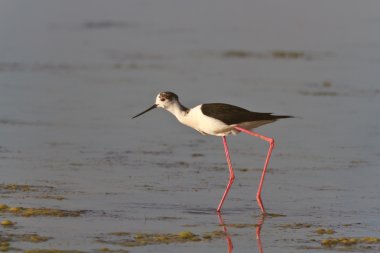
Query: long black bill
x=147, y=110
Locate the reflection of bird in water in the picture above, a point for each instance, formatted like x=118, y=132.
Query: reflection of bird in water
x=220, y=120
x=258, y=231
x=258, y=235
x=228, y=237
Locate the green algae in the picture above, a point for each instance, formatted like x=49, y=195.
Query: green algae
x=29, y=237
x=7, y=223
x=281, y=54
x=351, y=224
x=6, y=240
x=295, y=226
x=112, y=250
x=273, y=215
x=241, y=225
x=322, y=231
x=13, y=209
x=3, y=207
x=52, y=251
x=29, y=212
x=327, y=84
x=142, y=239
x=16, y=188
x=32, y=191
x=42, y=211
x=237, y=54
x=34, y=238
x=51, y=197
x=349, y=241
x=213, y=235
x=4, y=246
x=186, y=235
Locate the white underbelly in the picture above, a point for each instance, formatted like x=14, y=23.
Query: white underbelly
x=214, y=127
x=207, y=125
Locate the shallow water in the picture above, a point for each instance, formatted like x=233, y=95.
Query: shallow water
x=73, y=73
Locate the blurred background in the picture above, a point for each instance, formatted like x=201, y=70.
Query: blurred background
x=72, y=73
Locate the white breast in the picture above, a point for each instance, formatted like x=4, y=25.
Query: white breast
x=205, y=124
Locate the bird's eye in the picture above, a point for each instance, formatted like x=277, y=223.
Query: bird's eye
x=162, y=99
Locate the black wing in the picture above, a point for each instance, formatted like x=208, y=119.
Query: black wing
x=231, y=114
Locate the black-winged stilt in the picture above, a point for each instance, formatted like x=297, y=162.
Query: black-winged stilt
x=220, y=120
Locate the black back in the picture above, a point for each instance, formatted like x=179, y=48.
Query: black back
x=231, y=114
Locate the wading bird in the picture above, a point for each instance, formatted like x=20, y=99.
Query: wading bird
x=220, y=120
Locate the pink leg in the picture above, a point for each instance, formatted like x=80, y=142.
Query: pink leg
x=232, y=175
x=271, y=146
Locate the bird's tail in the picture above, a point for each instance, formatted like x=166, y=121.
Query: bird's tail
x=282, y=116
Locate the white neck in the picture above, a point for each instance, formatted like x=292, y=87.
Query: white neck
x=178, y=110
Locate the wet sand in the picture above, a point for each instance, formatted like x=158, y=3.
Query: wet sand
x=78, y=175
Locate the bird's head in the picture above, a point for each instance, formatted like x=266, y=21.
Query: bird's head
x=164, y=100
